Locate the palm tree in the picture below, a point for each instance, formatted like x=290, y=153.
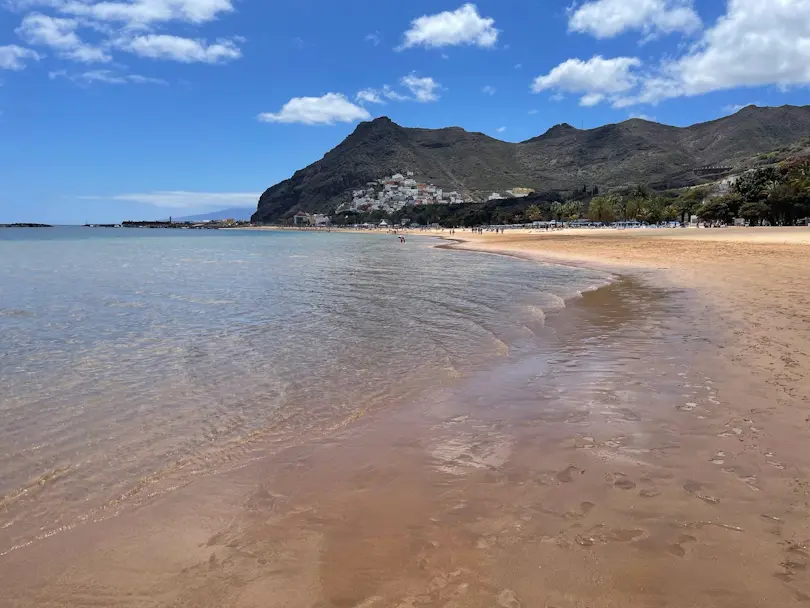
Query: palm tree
x=640, y=191
x=572, y=210
x=601, y=209
x=534, y=213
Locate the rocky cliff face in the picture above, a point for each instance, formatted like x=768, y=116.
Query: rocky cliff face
x=634, y=151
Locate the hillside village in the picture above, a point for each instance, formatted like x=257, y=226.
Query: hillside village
x=392, y=193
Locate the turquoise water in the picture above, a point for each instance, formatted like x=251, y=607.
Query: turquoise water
x=134, y=361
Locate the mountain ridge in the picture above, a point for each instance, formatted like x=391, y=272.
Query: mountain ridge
x=234, y=213
x=562, y=158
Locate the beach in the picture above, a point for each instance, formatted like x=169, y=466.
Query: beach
x=640, y=444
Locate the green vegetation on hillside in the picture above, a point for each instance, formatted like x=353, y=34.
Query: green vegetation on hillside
x=779, y=195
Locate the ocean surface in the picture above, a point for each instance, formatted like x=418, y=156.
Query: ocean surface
x=133, y=362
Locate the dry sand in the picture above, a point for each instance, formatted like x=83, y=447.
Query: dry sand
x=660, y=460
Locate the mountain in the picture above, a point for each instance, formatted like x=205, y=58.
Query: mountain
x=234, y=213
x=563, y=158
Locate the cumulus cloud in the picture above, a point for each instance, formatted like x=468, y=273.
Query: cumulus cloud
x=488, y=90
x=369, y=96
x=753, y=44
x=13, y=57
x=423, y=89
x=374, y=38
x=180, y=199
x=60, y=35
x=185, y=50
x=106, y=77
x=596, y=79
x=609, y=18
x=326, y=110
x=463, y=26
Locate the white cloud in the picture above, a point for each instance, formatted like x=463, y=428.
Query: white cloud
x=106, y=77
x=326, y=110
x=518, y=66
x=423, y=89
x=137, y=12
x=180, y=199
x=390, y=93
x=138, y=79
x=60, y=35
x=488, y=90
x=532, y=112
x=736, y=107
x=185, y=50
x=374, y=38
x=501, y=129
x=125, y=25
x=369, y=96
x=591, y=99
x=13, y=57
x=595, y=79
x=754, y=43
x=609, y=18
x=452, y=28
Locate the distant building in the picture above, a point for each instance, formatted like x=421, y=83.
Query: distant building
x=520, y=192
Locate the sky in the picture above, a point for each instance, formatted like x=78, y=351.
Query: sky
x=141, y=109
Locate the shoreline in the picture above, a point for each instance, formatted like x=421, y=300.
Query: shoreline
x=755, y=279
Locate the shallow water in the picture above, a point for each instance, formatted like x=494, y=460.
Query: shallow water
x=135, y=361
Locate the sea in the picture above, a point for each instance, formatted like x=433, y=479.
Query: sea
x=135, y=361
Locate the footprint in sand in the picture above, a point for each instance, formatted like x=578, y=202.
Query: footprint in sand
x=508, y=599
x=694, y=489
x=584, y=509
x=719, y=458
x=567, y=474
x=629, y=415
x=679, y=549
x=621, y=481
x=601, y=535
x=750, y=480
x=790, y=567
x=686, y=407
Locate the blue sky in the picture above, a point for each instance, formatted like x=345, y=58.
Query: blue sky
x=140, y=109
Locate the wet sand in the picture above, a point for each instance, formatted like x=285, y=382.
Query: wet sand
x=652, y=453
